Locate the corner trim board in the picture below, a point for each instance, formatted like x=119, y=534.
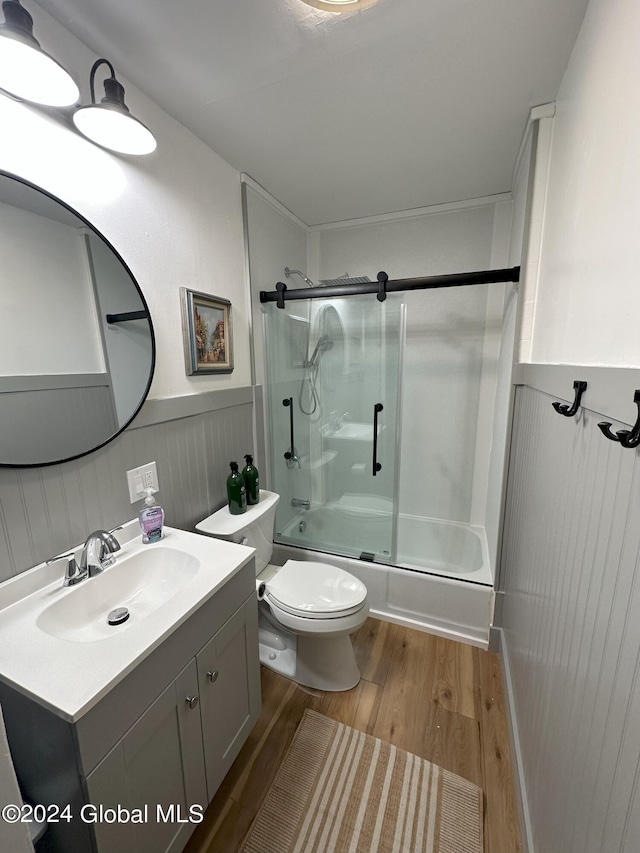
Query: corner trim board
x=498, y=645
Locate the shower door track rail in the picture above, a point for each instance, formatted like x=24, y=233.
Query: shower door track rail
x=383, y=285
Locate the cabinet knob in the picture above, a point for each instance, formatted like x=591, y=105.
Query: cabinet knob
x=191, y=701
x=212, y=675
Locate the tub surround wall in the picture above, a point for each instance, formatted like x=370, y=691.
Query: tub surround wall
x=458, y=442
x=459, y=349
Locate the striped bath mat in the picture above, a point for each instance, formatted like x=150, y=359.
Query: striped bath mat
x=339, y=790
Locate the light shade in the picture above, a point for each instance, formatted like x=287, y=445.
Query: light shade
x=26, y=71
x=110, y=123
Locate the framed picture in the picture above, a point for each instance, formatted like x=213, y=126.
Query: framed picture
x=206, y=331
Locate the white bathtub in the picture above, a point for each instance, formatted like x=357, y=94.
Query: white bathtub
x=442, y=581
x=445, y=548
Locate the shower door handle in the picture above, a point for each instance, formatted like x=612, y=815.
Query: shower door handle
x=291, y=454
x=376, y=465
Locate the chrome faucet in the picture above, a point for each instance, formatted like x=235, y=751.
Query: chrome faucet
x=98, y=552
x=300, y=503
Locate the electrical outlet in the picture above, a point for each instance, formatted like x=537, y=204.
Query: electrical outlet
x=139, y=479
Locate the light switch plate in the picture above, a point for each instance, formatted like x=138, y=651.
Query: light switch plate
x=139, y=479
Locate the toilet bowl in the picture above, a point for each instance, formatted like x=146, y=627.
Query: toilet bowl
x=307, y=610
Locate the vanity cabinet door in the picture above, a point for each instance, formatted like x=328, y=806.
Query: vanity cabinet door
x=157, y=768
x=229, y=679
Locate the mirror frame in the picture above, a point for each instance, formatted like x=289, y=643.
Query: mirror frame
x=5, y=174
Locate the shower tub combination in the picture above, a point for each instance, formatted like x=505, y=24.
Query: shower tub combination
x=440, y=582
x=347, y=383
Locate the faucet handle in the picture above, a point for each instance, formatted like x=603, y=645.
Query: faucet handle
x=73, y=574
x=55, y=559
x=72, y=568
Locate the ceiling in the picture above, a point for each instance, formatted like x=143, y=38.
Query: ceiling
x=404, y=104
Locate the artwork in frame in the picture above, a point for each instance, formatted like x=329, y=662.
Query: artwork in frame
x=206, y=330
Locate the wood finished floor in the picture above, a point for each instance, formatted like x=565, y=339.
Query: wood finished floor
x=437, y=698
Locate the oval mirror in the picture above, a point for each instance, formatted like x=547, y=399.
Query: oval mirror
x=77, y=349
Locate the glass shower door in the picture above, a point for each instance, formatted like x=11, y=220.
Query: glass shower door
x=333, y=389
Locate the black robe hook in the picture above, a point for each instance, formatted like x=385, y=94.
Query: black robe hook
x=570, y=411
x=627, y=437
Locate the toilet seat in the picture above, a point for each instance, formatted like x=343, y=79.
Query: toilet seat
x=336, y=626
x=315, y=591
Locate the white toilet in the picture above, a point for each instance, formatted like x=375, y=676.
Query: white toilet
x=306, y=610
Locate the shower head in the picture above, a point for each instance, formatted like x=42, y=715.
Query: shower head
x=328, y=282
x=344, y=279
x=324, y=343
x=306, y=280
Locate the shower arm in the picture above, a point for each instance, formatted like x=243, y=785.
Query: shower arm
x=288, y=272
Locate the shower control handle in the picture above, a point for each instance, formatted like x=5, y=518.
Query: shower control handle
x=376, y=465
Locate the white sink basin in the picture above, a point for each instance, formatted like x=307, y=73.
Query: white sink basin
x=141, y=582
x=56, y=645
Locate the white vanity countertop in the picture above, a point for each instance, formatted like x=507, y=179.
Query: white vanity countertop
x=70, y=673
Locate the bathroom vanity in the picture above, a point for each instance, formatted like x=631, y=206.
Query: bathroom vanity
x=133, y=726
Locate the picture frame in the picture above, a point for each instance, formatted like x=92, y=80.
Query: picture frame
x=206, y=333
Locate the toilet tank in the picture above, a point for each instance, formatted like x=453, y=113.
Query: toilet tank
x=253, y=527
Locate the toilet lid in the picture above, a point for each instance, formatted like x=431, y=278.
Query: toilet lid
x=316, y=590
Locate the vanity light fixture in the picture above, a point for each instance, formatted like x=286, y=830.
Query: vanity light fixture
x=110, y=123
x=339, y=5
x=26, y=71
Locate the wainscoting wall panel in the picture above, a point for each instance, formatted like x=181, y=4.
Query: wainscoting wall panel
x=44, y=511
x=571, y=623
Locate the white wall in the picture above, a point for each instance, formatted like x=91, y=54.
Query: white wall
x=277, y=240
x=46, y=288
x=588, y=296
x=175, y=216
x=127, y=345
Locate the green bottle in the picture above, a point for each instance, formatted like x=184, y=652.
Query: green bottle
x=251, y=481
x=236, y=492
